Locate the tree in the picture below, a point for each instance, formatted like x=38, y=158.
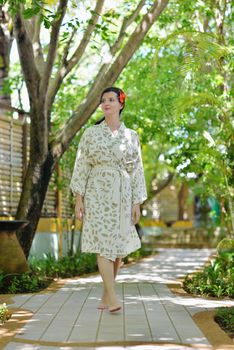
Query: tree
x=181, y=99
x=45, y=68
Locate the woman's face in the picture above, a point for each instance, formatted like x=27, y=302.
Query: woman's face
x=110, y=104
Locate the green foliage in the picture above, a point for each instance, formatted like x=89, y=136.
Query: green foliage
x=226, y=245
x=66, y=266
x=217, y=278
x=22, y=283
x=225, y=318
x=137, y=255
x=179, y=88
x=31, y=9
x=4, y=313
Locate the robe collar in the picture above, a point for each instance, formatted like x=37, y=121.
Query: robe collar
x=108, y=130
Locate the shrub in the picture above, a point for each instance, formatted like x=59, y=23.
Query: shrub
x=22, y=283
x=4, y=313
x=66, y=266
x=226, y=245
x=217, y=278
x=138, y=254
x=225, y=318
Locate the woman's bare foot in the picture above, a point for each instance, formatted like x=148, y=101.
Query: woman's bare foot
x=104, y=302
x=114, y=304
x=115, y=308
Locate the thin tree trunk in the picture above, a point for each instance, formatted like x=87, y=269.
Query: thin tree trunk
x=182, y=198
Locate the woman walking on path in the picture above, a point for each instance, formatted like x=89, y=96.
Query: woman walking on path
x=109, y=185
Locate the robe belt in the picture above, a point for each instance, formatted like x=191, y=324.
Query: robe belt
x=120, y=178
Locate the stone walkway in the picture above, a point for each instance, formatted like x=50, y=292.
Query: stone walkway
x=152, y=316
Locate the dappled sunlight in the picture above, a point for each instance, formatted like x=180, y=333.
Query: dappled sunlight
x=166, y=267
x=189, y=302
x=73, y=287
x=166, y=346
x=202, y=302
x=10, y=329
x=143, y=298
x=84, y=281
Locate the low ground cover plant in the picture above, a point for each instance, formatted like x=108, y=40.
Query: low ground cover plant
x=225, y=318
x=4, y=313
x=217, y=278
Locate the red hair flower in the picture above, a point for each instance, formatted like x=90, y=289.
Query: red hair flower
x=122, y=97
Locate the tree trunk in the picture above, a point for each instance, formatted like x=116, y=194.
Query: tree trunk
x=33, y=197
x=39, y=171
x=182, y=198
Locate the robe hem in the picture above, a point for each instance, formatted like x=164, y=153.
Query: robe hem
x=111, y=257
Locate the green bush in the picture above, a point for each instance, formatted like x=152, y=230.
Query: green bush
x=138, y=254
x=217, y=278
x=4, y=313
x=22, y=283
x=225, y=318
x=226, y=245
x=66, y=266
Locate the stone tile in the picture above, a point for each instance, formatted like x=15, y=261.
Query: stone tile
x=20, y=299
x=86, y=325
x=62, y=323
x=160, y=324
x=136, y=323
x=20, y=346
x=36, y=301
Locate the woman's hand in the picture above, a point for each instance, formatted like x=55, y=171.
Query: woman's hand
x=136, y=214
x=79, y=207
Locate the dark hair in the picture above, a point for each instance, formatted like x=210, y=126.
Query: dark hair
x=118, y=91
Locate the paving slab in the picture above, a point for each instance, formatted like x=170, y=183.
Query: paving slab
x=68, y=319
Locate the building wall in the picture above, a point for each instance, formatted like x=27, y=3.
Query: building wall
x=47, y=243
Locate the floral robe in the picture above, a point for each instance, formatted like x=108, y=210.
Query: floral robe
x=109, y=174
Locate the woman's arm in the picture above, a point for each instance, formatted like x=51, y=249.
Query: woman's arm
x=79, y=207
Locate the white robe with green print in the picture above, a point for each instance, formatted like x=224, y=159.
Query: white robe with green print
x=109, y=174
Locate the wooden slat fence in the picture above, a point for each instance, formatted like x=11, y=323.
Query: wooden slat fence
x=14, y=153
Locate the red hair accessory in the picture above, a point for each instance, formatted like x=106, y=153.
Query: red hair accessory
x=122, y=97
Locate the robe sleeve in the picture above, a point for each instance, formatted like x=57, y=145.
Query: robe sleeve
x=139, y=192
x=82, y=166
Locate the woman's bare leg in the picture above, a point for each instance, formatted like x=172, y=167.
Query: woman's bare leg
x=117, y=265
x=104, y=303
x=106, y=269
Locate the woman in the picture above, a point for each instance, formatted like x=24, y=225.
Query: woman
x=109, y=185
